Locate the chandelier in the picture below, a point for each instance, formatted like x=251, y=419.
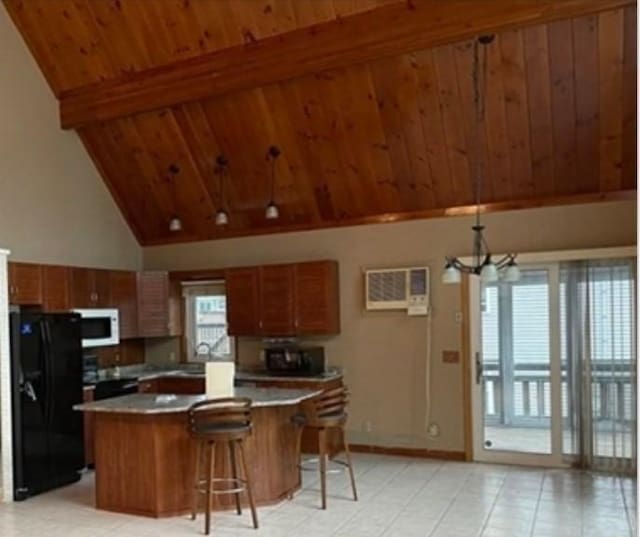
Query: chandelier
x=483, y=264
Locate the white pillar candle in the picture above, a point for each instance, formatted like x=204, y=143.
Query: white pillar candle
x=219, y=379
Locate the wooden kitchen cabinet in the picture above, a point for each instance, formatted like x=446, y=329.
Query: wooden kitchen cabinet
x=25, y=284
x=317, y=298
x=283, y=300
x=175, y=385
x=277, y=315
x=156, y=318
x=148, y=386
x=243, y=315
x=89, y=288
x=56, y=288
x=89, y=426
x=123, y=295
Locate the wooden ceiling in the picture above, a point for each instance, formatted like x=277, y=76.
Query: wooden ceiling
x=385, y=137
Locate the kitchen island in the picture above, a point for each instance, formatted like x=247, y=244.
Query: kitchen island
x=145, y=458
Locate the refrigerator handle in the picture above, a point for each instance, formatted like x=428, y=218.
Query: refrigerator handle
x=44, y=368
x=50, y=375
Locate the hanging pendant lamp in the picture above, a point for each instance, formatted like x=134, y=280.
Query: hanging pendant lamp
x=483, y=264
x=222, y=217
x=272, y=212
x=175, y=224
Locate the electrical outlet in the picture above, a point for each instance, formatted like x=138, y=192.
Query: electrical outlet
x=366, y=426
x=458, y=317
x=433, y=430
x=172, y=356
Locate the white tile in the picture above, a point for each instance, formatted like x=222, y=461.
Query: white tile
x=400, y=497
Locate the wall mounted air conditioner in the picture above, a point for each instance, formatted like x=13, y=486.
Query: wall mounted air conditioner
x=404, y=288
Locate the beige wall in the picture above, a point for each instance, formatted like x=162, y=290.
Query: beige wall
x=384, y=354
x=54, y=206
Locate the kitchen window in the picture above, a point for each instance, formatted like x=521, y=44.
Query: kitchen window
x=206, y=322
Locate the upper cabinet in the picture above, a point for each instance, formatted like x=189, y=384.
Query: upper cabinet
x=158, y=310
x=123, y=295
x=317, y=298
x=25, y=284
x=243, y=315
x=56, y=288
x=89, y=288
x=276, y=300
x=283, y=300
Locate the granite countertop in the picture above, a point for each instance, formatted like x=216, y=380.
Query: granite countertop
x=331, y=374
x=246, y=376
x=147, y=403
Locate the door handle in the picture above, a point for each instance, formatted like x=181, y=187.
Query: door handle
x=27, y=390
x=479, y=368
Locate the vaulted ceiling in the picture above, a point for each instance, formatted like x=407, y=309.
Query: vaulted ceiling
x=377, y=130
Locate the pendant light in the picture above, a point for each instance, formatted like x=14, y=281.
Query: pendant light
x=272, y=212
x=222, y=218
x=175, y=224
x=483, y=264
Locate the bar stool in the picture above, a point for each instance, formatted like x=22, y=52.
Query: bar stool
x=327, y=412
x=221, y=422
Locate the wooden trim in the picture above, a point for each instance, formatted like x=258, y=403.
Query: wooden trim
x=486, y=208
x=197, y=275
x=388, y=31
x=421, y=453
x=465, y=334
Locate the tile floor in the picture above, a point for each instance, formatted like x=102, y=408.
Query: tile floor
x=399, y=498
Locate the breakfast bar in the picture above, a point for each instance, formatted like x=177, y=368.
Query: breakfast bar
x=144, y=457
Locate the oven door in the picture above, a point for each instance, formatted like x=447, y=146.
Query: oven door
x=99, y=328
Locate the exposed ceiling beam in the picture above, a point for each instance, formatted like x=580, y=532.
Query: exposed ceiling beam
x=466, y=210
x=387, y=31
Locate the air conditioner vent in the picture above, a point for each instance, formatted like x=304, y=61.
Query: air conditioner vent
x=398, y=289
x=390, y=286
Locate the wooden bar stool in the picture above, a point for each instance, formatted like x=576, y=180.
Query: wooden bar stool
x=226, y=423
x=325, y=412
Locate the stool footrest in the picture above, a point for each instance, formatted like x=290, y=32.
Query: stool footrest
x=237, y=485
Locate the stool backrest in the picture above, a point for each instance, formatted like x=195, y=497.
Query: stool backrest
x=227, y=412
x=329, y=403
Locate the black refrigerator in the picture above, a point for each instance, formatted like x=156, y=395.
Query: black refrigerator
x=46, y=369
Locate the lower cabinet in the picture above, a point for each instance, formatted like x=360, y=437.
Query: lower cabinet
x=309, y=436
x=176, y=385
x=89, y=421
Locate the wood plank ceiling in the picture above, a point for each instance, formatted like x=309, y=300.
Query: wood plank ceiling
x=382, y=140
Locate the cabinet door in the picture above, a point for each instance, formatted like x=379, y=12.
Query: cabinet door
x=242, y=301
x=176, y=309
x=25, y=284
x=153, y=304
x=89, y=427
x=148, y=386
x=276, y=300
x=123, y=295
x=56, y=288
x=317, y=303
x=101, y=293
x=81, y=288
x=181, y=386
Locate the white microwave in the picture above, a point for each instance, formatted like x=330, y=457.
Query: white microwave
x=99, y=327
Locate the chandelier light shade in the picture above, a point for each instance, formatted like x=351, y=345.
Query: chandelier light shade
x=221, y=218
x=483, y=264
x=272, y=212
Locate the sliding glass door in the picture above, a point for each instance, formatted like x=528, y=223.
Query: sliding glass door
x=554, y=370
x=598, y=316
x=517, y=374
